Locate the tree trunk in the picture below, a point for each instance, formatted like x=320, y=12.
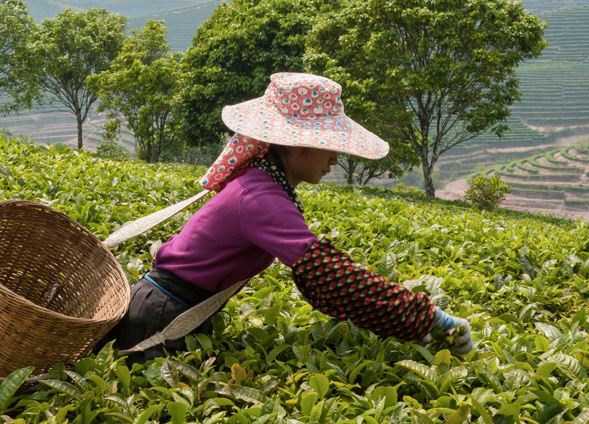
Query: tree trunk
x=80, y=138
x=430, y=191
x=350, y=174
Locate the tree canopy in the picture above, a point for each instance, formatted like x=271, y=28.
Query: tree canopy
x=69, y=48
x=434, y=73
x=16, y=27
x=139, y=88
x=233, y=55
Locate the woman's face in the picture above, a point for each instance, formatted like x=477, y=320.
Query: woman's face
x=307, y=164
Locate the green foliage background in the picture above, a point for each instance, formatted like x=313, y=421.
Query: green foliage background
x=520, y=280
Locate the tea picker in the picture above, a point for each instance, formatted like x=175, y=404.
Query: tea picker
x=292, y=134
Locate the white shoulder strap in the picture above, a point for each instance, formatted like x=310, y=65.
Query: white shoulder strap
x=184, y=323
x=187, y=321
x=142, y=225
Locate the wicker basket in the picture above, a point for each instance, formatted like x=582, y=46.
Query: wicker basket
x=61, y=290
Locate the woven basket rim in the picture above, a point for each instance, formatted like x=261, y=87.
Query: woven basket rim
x=48, y=208
x=121, y=275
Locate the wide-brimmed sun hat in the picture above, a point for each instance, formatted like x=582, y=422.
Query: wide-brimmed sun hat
x=296, y=110
x=303, y=110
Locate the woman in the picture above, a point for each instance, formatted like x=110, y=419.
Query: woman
x=290, y=135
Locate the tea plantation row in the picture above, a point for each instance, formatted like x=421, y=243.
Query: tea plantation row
x=519, y=279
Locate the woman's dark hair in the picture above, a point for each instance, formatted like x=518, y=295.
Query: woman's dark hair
x=279, y=152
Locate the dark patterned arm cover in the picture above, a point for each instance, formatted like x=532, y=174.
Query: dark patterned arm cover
x=332, y=283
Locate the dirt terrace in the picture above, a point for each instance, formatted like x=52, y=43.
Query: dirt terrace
x=455, y=191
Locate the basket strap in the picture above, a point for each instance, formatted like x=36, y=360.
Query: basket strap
x=187, y=321
x=146, y=223
x=196, y=315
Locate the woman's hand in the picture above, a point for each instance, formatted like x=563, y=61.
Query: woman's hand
x=454, y=330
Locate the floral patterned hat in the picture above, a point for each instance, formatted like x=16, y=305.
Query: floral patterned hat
x=296, y=110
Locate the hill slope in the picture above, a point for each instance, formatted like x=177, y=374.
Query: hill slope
x=555, y=182
x=41, y=9
x=181, y=23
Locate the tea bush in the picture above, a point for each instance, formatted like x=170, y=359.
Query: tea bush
x=519, y=279
x=487, y=193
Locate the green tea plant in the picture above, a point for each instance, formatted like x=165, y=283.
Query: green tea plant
x=487, y=193
x=519, y=279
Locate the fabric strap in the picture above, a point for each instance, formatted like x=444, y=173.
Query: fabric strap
x=135, y=228
x=196, y=315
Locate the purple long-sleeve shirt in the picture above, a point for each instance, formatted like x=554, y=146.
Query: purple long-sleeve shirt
x=237, y=234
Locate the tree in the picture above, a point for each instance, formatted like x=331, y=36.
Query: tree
x=233, y=55
x=16, y=27
x=231, y=60
x=435, y=73
x=139, y=88
x=71, y=47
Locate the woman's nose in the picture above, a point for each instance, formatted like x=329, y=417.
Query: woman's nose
x=333, y=159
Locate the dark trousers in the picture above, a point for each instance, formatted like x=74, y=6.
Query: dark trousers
x=151, y=310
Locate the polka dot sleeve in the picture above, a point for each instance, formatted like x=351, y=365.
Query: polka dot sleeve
x=333, y=284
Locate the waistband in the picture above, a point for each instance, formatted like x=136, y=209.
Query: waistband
x=179, y=288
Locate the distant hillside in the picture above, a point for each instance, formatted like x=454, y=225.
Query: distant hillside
x=555, y=87
x=41, y=9
x=554, y=109
x=555, y=182
x=540, y=6
x=181, y=23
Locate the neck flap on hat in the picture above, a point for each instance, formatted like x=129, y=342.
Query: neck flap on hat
x=279, y=178
x=233, y=161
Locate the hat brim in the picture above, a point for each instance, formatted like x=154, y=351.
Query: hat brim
x=336, y=132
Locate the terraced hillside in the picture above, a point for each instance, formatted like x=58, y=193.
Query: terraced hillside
x=555, y=87
x=554, y=111
x=61, y=127
x=42, y=9
x=541, y=6
x=181, y=23
x=555, y=182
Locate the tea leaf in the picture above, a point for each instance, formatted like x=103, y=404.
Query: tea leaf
x=147, y=413
x=509, y=410
x=63, y=386
x=388, y=393
x=490, y=377
x=320, y=384
x=10, y=386
x=582, y=418
x=449, y=377
x=308, y=400
x=460, y=416
x=550, y=331
x=123, y=375
x=481, y=410
x=169, y=373
x=420, y=418
x=250, y=395
x=178, y=412
x=549, y=413
x=570, y=366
